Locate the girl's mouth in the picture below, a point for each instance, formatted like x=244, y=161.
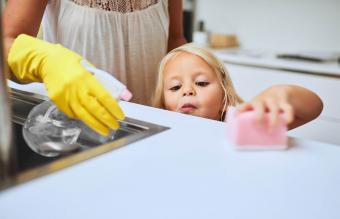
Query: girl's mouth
x=187, y=108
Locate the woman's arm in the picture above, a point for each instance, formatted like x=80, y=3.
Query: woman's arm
x=21, y=16
x=298, y=104
x=176, y=37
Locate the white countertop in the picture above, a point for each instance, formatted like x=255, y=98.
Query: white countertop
x=269, y=60
x=188, y=171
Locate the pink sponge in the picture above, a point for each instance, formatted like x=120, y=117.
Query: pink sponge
x=246, y=133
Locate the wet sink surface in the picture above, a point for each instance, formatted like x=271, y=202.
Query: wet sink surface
x=27, y=165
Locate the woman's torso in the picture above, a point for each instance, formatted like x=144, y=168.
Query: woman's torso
x=126, y=38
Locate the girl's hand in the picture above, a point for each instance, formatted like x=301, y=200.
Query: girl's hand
x=275, y=100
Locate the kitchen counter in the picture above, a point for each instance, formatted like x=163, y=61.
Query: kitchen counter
x=188, y=171
x=269, y=60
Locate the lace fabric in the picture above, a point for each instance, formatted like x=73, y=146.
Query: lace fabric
x=121, y=6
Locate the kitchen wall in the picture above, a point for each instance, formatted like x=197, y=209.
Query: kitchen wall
x=283, y=25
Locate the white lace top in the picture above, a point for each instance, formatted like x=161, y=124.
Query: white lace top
x=125, y=38
x=117, y=5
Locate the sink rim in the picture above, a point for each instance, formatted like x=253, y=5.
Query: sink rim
x=140, y=130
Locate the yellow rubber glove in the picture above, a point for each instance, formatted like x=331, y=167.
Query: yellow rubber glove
x=70, y=86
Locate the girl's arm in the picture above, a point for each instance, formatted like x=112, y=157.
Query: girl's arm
x=176, y=37
x=21, y=16
x=298, y=104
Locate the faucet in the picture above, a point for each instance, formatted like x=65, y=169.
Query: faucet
x=6, y=147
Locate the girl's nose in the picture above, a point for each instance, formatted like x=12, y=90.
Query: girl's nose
x=188, y=91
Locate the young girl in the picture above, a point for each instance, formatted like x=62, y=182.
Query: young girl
x=193, y=81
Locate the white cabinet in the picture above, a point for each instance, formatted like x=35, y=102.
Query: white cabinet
x=249, y=81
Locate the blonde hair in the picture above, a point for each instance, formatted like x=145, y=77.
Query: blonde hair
x=231, y=98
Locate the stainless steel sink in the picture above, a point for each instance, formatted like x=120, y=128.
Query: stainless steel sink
x=28, y=165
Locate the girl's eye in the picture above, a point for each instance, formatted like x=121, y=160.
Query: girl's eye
x=174, y=88
x=202, y=83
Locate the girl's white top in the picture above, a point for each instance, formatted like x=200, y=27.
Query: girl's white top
x=125, y=38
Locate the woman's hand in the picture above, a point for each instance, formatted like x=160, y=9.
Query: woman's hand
x=72, y=88
x=297, y=105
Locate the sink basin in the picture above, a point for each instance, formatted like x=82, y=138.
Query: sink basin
x=28, y=165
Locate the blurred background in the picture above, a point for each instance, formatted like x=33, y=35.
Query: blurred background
x=274, y=25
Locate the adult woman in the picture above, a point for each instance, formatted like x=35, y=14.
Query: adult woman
x=125, y=38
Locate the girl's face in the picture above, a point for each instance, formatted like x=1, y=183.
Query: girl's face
x=192, y=87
